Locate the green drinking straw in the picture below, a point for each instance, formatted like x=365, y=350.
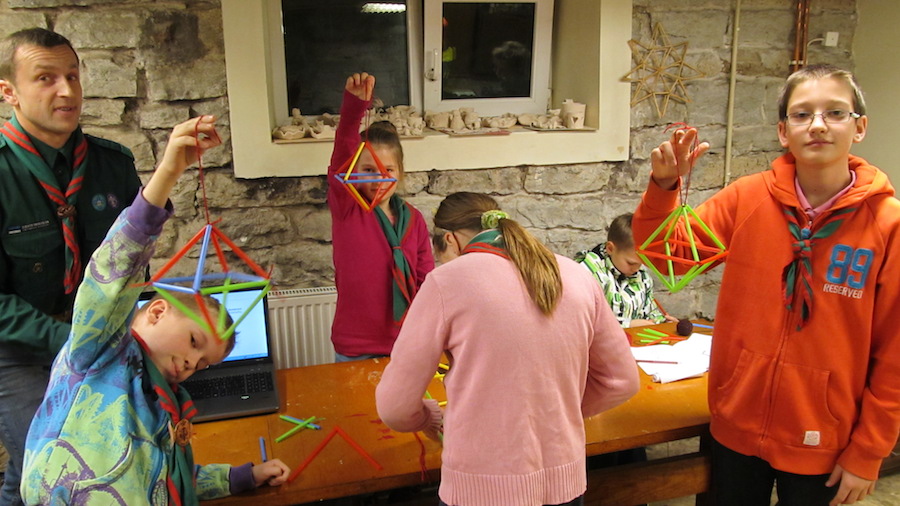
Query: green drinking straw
x=291, y=419
x=295, y=430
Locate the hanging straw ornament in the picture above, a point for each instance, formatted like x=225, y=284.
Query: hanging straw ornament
x=683, y=219
x=228, y=280
x=348, y=178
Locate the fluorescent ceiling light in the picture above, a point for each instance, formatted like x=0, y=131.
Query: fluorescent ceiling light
x=383, y=7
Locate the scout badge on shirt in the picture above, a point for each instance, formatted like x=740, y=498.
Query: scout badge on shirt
x=678, y=232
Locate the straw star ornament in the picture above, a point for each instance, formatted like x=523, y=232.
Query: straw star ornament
x=660, y=71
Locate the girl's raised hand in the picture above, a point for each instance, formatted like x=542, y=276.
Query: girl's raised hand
x=674, y=158
x=361, y=86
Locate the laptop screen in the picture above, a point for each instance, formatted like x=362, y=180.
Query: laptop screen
x=251, y=341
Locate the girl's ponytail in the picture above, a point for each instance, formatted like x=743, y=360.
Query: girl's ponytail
x=535, y=262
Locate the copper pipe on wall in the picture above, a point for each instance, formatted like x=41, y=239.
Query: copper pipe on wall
x=801, y=35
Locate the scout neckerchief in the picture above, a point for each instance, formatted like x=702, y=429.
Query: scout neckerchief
x=797, y=275
x=404, y=287
x=29, y=156
x=489, y=241
x=180, y=408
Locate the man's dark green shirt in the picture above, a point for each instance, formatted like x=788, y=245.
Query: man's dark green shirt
x=32, y=251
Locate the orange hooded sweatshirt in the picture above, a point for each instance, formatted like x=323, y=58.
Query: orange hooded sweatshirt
x=802, y=395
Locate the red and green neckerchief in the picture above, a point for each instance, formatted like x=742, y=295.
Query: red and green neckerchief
x=797, y=275
x=404, y=286
x=488, y=241
x=29, y=156
x=180, y=408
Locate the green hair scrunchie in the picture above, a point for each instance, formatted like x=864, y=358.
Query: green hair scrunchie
x=490, y=219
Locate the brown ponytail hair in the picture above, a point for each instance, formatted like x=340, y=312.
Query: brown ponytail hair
x=536, y=264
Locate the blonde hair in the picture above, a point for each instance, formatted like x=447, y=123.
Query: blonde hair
x=190, y=302
x=535, y=262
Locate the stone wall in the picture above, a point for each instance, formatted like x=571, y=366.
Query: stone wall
x=147, y=65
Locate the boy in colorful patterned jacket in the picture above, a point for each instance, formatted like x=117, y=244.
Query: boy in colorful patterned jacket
x=626, y=283
x=114, y=424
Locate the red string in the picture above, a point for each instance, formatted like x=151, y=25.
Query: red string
x=200, y=169
x=686, y=181
x=422, y=457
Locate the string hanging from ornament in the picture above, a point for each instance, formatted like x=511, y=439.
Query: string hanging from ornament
x=199, y=285
x=349, y=179
x=665, y=237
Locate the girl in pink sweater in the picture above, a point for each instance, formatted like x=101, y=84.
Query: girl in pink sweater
x=380, y=256
x=534, y=348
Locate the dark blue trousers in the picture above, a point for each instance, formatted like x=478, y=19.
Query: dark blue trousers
x=740, y=480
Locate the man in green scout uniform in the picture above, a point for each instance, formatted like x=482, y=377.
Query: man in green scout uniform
x=60, y=190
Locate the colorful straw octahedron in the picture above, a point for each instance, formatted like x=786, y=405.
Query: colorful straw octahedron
x=702, y=256
x=194, y=284
x=348, y=178
x=164, y=286
x=678, y=224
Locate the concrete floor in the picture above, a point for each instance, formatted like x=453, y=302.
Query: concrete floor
x=887, y=490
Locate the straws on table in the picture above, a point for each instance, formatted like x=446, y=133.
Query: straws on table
x=300, y=426
x=336, y=431
x=262, y=449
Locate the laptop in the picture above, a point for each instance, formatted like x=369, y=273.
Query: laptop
x=244, y=383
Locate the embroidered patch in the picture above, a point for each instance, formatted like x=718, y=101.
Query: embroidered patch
x=812, y=438
x=112, y=200
x=98, y=202
x=18, y=229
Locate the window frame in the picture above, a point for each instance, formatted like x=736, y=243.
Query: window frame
x=538, y=100
x=590, y=57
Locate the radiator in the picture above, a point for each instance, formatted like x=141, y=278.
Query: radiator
x=300, y=323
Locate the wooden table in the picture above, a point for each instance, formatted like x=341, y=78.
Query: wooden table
x=344, y=395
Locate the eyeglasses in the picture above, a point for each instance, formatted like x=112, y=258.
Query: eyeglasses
x=834, y=116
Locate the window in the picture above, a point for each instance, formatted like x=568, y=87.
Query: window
x=325, y=41
x=590, y=56
x=491, y=56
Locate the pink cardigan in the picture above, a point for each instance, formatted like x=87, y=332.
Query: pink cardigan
x=363, y=322
x=519, y=384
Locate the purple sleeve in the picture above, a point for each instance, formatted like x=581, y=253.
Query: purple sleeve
x=241, y=478
x=146, y=217
x=346, y=137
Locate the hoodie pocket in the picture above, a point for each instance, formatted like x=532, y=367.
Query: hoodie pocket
x=741, y=400
x=114, y=486
x=801, y=415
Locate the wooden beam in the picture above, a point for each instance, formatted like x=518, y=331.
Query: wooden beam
x=654, y=480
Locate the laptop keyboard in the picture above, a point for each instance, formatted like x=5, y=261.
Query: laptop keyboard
x=232, y=385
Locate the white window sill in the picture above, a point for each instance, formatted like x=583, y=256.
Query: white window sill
x=590, y=58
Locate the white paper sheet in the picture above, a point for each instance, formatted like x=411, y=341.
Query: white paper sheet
x=690, y=357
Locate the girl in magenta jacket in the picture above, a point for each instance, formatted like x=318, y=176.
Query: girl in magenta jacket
x=380, y=256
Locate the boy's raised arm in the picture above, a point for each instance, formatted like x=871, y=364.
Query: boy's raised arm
x=113, y=279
